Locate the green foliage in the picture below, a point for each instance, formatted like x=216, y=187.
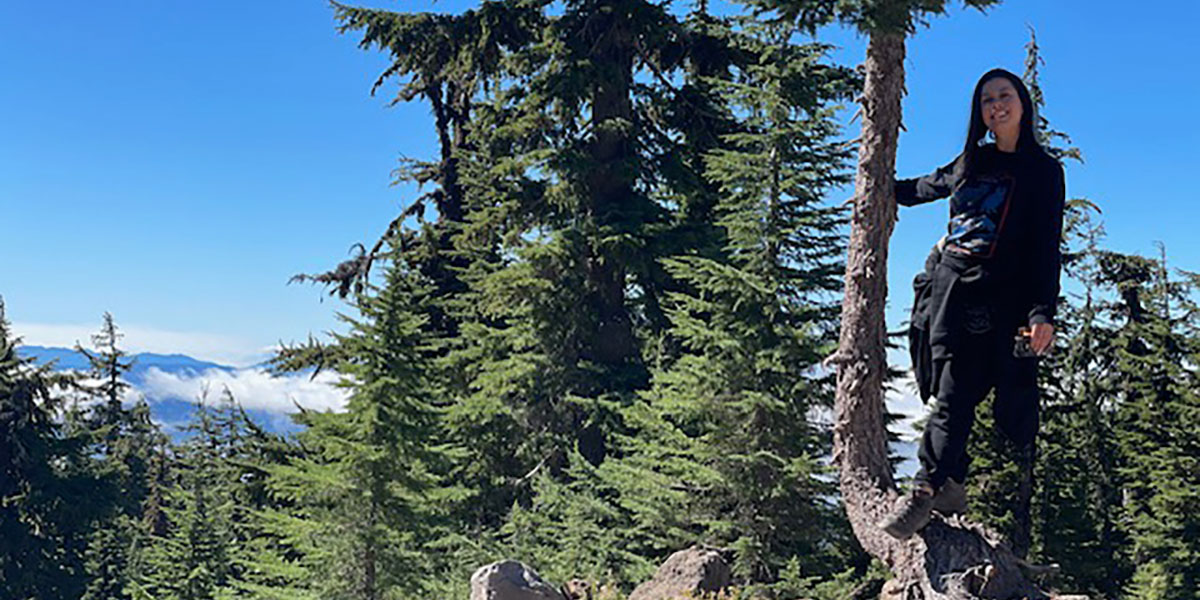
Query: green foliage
x=57, y=546
x=125, y=451
x=573, y=530
x=1154, y=381
x=366, y=494
x=214, y=539
x=44, y=470
x=631, y=278
x=726, y=429
x=868, y=16
x=793, y=583
x=604, y=348
x=192, y=560
x=1075, y=520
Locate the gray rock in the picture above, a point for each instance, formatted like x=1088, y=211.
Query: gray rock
x=690, y=571
x=510, y=580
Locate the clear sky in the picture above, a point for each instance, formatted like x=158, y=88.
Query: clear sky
x=174, y=163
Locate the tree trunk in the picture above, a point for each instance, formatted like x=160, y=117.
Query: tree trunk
x=610, y=182
x=450, y=102
x=949, y=559
x=859, y=437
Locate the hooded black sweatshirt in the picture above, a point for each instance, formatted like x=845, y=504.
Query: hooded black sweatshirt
x=1007, y=214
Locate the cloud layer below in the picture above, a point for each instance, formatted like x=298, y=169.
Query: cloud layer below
x=252, y=388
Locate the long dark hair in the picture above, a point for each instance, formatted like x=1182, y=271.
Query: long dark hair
x=1027, y=140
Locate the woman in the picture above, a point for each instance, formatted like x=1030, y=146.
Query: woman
x=996, y=280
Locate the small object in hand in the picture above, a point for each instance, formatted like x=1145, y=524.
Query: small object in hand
x=1021, y=343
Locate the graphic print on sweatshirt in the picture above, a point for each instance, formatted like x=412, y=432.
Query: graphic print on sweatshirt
x=977, y=211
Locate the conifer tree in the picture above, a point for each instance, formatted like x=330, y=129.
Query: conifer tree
x=108, y=364
x=591, y=153
x=557, y=224
x=43, y=474
x=580, y=173
x=1154, y=380
x=573, y=529
x=866, y=479
x=193, y=560
x=367, y=491
x=212, y=537
x=264, y=564
x=726, y=432
x=1075, y=517
x=123, y=444
x=448, y=61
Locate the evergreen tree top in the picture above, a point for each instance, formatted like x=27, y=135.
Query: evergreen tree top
x=108, y=363
x=867, y=16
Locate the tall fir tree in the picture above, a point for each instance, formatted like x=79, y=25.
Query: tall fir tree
x=367, y=490
x=1153, y=381
x=1075, y=517
x=125, y=448
x=213, y=537
x=193, y=560
x=591, y=152
x=44, y=471
x=727, y=430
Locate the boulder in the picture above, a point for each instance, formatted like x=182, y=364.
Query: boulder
x=687, y=573
x=510, y=580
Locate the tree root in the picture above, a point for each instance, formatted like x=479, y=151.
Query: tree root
x=956, y=559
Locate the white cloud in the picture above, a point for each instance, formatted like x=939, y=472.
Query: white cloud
x=252, y=388
x=906, y=401
x=221, y=349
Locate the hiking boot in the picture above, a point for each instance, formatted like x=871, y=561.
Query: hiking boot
x=910, y=514
x=951, y=498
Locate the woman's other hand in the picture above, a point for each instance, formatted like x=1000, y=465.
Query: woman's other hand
x=1041, y=337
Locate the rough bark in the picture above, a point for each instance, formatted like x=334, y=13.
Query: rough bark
x=859, y=438
x=949, y=559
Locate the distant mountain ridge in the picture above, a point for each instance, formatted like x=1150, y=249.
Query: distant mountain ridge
x=171, y=411
x=68, y=359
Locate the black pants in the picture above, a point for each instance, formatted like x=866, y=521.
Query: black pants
x=981, y=362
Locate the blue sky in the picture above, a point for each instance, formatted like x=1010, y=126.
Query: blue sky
x=175, y=163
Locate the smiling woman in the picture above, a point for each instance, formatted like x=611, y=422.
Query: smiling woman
x=1002, y=112
x=995, y=272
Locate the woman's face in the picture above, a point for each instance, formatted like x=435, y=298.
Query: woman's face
x=1001, y=108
